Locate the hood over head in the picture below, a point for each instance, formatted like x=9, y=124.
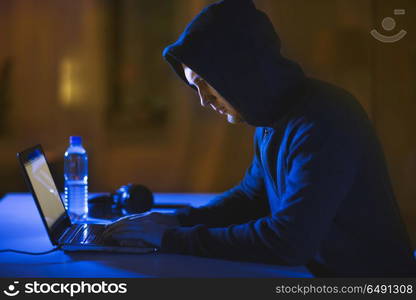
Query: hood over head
x=234, y=47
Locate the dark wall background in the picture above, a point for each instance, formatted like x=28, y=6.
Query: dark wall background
x=94, y=68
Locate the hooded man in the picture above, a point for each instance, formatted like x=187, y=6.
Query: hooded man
x=317, y=192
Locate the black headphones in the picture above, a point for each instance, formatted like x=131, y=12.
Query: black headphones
x=128, y=199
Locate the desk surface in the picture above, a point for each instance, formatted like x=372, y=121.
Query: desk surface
x=21, y=228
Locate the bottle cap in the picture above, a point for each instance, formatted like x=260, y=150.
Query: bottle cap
x=75, y=140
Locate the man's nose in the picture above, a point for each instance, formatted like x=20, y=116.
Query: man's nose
x=203, y=102
x=203, y=99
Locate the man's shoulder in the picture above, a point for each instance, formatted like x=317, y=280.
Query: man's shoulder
x=327, y=105
x=326, y=99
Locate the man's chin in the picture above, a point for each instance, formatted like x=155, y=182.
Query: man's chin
x=234, y=119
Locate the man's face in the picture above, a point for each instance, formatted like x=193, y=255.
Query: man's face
x=210, y=97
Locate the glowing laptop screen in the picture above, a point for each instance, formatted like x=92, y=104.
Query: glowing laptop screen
x=44, y=187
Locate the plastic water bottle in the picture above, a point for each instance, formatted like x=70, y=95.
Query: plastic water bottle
x=76, y=180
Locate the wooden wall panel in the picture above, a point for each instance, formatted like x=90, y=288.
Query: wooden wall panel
x=394, y=102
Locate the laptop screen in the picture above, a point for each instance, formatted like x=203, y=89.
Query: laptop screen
x=44, y=187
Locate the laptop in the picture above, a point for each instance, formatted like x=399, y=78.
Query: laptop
x=62, y=232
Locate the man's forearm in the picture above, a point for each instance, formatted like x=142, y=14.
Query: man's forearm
x=232, y=207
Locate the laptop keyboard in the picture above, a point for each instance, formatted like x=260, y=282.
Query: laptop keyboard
x=85, y=234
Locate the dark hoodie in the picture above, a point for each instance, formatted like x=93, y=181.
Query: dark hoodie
x=317, y=192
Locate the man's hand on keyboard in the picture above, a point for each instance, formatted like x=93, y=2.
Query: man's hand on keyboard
x=133, y=229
